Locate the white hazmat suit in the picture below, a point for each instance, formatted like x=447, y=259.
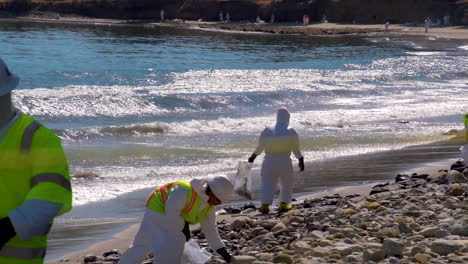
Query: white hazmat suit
x=278, y=143
x=162, y=233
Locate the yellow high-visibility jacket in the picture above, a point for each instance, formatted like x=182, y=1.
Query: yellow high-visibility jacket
x=191, y=212
x=33, y=166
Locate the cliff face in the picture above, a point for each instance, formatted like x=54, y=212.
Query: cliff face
x=359, y=11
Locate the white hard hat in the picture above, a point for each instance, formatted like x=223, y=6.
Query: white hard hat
x=8, y=81
x=221, y=187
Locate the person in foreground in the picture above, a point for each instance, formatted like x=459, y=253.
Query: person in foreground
x=169, y=211
x=278, y=143
x=34, y=180
x=465, y=122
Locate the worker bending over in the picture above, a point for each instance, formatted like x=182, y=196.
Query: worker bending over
x=169, y=211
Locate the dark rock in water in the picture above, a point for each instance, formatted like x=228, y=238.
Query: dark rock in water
x=381, y=185
x=419, y=176
x=89, y=258
x=324, y=201
x=112, y=252
x=86, y=175
x=333, y=196
x=458, y=166
x=401, y=177
x=352, y=196
x=249, y=205
x=378, y=190
x=113, y=257
x=294, y=200
x=232, y=210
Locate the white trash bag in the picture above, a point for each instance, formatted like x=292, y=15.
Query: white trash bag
x=241, y=181
x=464, y=154
x=193, y=254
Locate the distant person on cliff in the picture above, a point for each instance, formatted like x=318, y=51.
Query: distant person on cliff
x=387, y=25
x=221, y=18
x=228, y=17
x=169, y=211
x=34, y=180
x=278, y=142
x=446, y=20
x=272, y=18
x=427, y=24
x=324, y=19
x=161, y=15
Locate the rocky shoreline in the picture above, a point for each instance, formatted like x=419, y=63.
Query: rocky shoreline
x=420, y=218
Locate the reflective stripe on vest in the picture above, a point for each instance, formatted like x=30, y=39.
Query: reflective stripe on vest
x=22, y=253
x=26, y=142
x=163, y=190
x=51, y=177
x=28, y=134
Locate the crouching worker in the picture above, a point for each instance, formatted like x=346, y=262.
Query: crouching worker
x=34, y=180
x=169, y=211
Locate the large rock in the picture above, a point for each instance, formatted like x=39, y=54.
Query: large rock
x=393, y=247
x=445, y=247
x=244, y=259
x=301, y=247
x=455, y=176
x=373, y=254
x=283, y=258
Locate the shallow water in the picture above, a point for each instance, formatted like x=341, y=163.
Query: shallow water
x=144, y=106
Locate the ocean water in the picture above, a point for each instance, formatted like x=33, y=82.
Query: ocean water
x=141, y=106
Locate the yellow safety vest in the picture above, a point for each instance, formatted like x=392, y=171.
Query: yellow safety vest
x=32, y=166
x=465, y=121
x=191, y=213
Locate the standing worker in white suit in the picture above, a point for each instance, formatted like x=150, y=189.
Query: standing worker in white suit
x=169, y=211
x=278, y=143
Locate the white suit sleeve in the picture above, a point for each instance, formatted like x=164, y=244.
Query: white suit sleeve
x=34, y=217
x=261, y=142
x=295, y=147
x=210, y=229
x=174, y=205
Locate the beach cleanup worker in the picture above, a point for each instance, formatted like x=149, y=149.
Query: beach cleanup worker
x=278, y=143
x=170, y=209
x=34, y=180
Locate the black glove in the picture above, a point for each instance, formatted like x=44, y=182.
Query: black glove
x=252, y=158
x=186, y=231
x=7, y=231
x=301, y=163
x=223, y=252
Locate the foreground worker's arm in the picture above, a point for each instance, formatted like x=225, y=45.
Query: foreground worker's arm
x=50, y=190
x=295, y=148
x=210, y=229
x=50, y=194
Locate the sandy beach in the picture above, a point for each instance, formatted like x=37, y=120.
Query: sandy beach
x=313, y=29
